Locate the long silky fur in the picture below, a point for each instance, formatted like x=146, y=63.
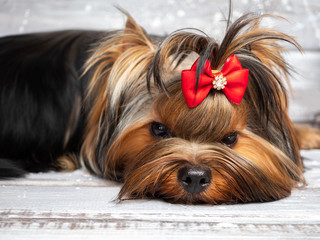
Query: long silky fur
x=41, y=117
x=119, y=96
x=258, y=50
x=51, y=114
x=129, y=73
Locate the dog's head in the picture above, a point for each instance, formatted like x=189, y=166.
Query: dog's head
x=141, y=130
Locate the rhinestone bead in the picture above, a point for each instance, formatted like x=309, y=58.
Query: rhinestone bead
x=219, y=82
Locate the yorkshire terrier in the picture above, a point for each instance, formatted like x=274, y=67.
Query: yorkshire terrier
x=183, y=118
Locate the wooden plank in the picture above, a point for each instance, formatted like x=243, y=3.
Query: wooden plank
x=79, y=206
x=158, y=17
x=305, y=98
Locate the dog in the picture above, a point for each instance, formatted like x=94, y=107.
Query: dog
x=181, y=118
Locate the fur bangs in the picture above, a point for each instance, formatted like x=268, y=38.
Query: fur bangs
x=258, y=50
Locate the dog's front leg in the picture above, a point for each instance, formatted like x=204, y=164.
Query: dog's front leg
x=307, y=136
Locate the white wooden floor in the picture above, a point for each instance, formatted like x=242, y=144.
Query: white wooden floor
x=79, y=206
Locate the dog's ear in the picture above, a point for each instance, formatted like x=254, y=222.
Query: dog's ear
x=135, y=34
x=260, y=50
x=117, y=69
x=132, y=26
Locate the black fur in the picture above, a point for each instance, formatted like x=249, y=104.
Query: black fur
x=40, y=78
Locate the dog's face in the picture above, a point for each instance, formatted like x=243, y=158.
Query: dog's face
x=201, y=155
x=216, y=152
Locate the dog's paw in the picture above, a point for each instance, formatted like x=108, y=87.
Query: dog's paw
x=308, y=137
x=67, y=163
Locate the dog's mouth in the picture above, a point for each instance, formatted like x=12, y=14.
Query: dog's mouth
x=178, y=180
x=197, y=184
x=180, y=171
x=189, y=185
x=212, y=182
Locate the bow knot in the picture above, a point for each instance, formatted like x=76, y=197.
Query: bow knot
x=232, y=80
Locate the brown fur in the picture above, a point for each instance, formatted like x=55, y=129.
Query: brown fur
x=135, y=82
x=308, y=137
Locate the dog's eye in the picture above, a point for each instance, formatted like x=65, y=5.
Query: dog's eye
x=231, y=139
x=159, y=130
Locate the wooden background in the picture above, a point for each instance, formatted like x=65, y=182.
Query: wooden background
x=79, y=206
x=163, y=17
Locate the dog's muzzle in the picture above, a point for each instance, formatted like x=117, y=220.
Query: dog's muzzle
x=194, y=179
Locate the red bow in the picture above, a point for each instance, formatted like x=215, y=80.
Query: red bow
x=232, y=80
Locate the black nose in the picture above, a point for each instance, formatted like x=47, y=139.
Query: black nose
x=194, y=179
